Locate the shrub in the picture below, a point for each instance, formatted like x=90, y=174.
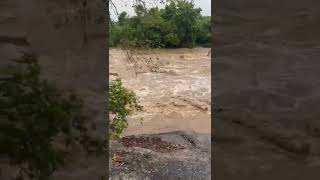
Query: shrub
x=121, y=103
x=172, y=40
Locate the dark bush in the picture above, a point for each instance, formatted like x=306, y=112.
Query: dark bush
x=33, y=115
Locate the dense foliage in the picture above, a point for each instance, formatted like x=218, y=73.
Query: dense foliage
x=179, y=24
x=121, y=102
x=33, y=114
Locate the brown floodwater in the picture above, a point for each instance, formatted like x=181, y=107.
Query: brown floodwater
x=177, y=97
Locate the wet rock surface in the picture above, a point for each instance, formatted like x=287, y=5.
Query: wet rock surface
x=190, y=162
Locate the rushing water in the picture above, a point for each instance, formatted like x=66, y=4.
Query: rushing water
x=176, y=98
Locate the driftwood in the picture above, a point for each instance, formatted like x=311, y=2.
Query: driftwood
x=114, y=74
x=209, y=53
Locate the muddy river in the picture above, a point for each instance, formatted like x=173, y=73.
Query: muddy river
x=177, y=97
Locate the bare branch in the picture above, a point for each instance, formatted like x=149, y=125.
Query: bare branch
x=114, y=7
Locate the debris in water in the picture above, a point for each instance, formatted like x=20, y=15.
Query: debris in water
x=155, y=144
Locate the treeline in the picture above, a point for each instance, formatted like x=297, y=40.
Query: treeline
x=179, y=24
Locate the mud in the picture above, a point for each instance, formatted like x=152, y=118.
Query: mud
x=176, y=98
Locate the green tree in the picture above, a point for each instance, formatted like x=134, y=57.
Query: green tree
x=179, y=24
x=183, y=15
x=203, y=31
x=122, y=18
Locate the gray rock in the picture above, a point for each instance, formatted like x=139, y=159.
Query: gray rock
x=191, y=163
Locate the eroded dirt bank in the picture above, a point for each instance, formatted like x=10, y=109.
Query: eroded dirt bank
x=177, y=97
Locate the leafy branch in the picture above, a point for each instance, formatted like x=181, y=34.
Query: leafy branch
x=121, y=103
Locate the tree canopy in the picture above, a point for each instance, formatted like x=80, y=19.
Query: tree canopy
x=178, y=24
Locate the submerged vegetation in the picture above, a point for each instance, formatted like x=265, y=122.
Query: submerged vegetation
x=178, y=24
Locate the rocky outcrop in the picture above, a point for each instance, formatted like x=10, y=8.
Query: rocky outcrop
x=190, y=162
